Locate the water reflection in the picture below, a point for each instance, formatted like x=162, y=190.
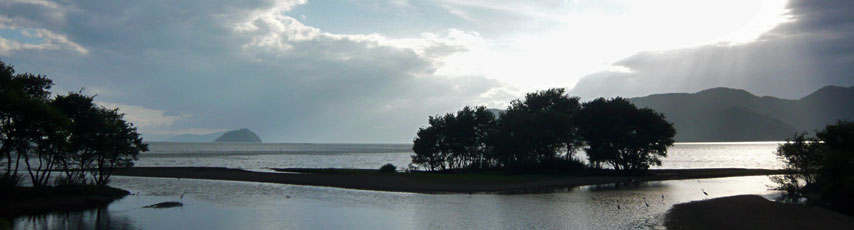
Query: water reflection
x=99, y=218
x=241, y=205
x=372, y=156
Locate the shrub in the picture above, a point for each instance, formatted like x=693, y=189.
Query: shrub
x=388, y=168
x=822, y=167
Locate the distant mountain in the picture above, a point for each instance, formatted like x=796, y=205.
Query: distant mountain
x=724, y=114
x=240, y=135
x=195, y=138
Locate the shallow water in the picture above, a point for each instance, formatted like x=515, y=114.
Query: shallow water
x=212, y=204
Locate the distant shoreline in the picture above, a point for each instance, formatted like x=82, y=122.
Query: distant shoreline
x=424, y=182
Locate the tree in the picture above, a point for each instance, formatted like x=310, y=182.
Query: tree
x=99, y=140
x=622, y=136
x=118, y=145
x=49, y=149
x=23, y=109
x=836, y=174
x=803, y=157
x=822, y=167
x=427, y=148
x=537, y=129
x=454, y=141
x=67, y=132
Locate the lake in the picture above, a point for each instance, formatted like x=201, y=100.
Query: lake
x=372, y=156
x=212, y=204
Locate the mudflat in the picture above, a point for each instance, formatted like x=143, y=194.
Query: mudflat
x=29, y=200
x=429, y=182
x=753, y=212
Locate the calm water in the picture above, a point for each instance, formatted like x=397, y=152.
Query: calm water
x=241, y=205
x=372, y=156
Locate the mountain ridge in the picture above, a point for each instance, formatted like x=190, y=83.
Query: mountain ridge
x=727, y=114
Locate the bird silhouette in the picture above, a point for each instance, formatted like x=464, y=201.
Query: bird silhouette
x=182, y=196
x=618, y=206
x=704, y=192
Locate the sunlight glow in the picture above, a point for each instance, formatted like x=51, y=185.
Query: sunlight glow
x=593, y=39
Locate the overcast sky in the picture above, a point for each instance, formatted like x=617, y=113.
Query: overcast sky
x=373, y=70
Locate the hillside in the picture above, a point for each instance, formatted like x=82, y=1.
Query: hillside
x=724, y=114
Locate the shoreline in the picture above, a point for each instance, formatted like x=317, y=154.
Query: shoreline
x=34, y=201
x=429, y=182
x=752, y=212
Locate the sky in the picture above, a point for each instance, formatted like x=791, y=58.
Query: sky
x=372, y=71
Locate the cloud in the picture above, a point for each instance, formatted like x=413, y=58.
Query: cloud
x=145, y=118
x=235, y=64
x=809, y=51
x=48, y=40
x=359, y=71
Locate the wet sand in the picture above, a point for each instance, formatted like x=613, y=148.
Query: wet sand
x=423, y=182
x=753, y=212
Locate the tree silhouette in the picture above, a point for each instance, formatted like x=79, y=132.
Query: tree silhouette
x=24, y=109
x=69, y=133
x=537, y=129
x=821, y=167
x=454, y=141
x=542, y=132
x=622, y=136
x=99, y=141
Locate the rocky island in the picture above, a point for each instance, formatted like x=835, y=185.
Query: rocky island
x=240, y=135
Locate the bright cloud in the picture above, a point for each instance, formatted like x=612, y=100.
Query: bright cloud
x=588, y=37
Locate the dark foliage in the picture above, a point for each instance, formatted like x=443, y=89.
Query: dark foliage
x=537, y=130
x=822, y=167
x=66, y=133
x=454, y=141
x=622, y=136
x=542, y=133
